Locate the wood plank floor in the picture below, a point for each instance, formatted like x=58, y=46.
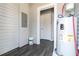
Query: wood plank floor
x=44, y=49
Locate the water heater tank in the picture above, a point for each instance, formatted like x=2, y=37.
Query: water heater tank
x=65, y=37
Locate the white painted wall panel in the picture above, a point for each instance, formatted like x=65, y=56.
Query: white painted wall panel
x=8, y=27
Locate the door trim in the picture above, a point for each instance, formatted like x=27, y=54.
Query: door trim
x=38, y=19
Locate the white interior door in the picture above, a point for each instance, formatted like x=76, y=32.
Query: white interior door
x=45, y=25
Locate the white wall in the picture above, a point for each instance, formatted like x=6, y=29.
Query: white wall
x=33, y=20
x=8, y=27
x=12, y=35
x=24, y=32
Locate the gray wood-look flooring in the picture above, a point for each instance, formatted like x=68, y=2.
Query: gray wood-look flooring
x=44, y=49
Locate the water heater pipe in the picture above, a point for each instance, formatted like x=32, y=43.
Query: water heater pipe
x=75, y=36
x=63, y=10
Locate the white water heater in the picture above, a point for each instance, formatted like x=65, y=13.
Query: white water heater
x=65, y=37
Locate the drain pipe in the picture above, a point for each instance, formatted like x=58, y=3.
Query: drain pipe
x=75, y=37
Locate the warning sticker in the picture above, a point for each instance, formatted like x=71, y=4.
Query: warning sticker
x=69, y=37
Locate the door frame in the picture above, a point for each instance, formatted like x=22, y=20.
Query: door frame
x=48, y=6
